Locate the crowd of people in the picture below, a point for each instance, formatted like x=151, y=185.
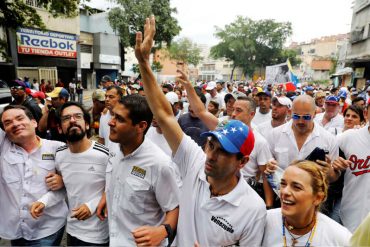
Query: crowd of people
x=211, y=164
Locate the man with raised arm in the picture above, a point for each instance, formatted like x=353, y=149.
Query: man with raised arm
x=217, y=205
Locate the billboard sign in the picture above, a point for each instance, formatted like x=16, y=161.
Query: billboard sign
x=278, y=73
x=46, y=43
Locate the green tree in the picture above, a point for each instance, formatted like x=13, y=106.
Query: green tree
x=185, y=51
x=156, y=67
x=128, y=19
x=250, y=44
x=290, y=54
x=16, y=13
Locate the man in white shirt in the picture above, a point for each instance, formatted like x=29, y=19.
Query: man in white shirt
x=142, y=195
x=82, y=164
x=296, y=139
x=355, y=204
x=112, y=95
x=26, y=160
x=281, y=110
x=263, y=112
x=218, y=208
x=331, y=119
x=214, y=95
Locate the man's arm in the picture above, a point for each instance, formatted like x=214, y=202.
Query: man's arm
x=153, y=235
x=196, y=104
x=43, y=123
x=158, y=103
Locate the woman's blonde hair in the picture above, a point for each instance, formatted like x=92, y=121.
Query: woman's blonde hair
x=319, y=182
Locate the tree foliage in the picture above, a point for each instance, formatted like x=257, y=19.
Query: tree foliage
x=156, y=67
x=290, y=54
x=16, y=13
x=185, y=51
x=130, y=17
x=250, y=44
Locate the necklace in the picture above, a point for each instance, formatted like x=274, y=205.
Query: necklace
x=294, y=240
x=290, y=227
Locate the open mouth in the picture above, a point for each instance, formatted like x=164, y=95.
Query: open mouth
x=287, y=203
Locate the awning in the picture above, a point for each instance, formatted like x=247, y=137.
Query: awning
x=344, y=71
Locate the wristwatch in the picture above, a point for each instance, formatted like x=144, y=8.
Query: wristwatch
x=170, y=233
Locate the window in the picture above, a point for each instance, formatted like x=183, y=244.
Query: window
x=86, y=48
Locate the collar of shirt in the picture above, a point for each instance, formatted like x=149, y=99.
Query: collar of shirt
x=235, y=196
x=136, y=151
x=289, y=130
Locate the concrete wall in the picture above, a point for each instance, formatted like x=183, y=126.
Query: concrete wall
x=106, y=51
x=65, y=25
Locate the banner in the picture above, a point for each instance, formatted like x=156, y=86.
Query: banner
x=278, y=73
x=46, y=43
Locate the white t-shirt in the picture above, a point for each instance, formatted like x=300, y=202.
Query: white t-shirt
x=355, y=143
x=260, y=156
x=141, y=190
x=335, y=122
x=327, y=233
x=265, y=129
x=260, y=118
x=104, y=129
x=215, y=221
x=84, y=179
x=283, y=144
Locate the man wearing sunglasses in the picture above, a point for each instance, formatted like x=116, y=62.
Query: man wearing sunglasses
x=331, y=119
x=296, y=139
x=18, y=92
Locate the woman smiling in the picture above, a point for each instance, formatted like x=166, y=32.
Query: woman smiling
x=298, y=222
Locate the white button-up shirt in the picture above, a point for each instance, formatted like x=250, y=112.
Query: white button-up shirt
x=283, y=144
x=141, y=190
x=235, y=218
x=84, y=179
x=22, y=182
x=335, y=122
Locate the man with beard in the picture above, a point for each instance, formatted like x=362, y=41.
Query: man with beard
x=281, y=109
x=82, y=164
x=296, y=139
x=18, y=92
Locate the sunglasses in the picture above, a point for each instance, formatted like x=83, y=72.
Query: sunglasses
x=16, y=88
x=307, y=117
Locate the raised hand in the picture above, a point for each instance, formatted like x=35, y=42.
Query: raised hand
x=143, y=47
x=183, y=78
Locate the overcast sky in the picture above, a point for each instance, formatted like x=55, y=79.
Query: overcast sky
x=309, y=18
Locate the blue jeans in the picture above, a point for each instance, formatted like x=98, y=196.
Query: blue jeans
x=73, y=241
x=51, y=240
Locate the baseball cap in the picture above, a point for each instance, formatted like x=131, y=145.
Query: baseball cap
x=19, y=83
x=234, y=136
x=309, y=88
x=342, y=94
x=58, y=92
x=332, y=99
x=258, y=89
x=38, y=94
x=172, y=97
x=211, y=85
x=106, y=78
x=235, y=95
x=320, y=94
x=368, y=89
x=285, y=101
x=99, y=95
x=354, y=92
x=266, y=92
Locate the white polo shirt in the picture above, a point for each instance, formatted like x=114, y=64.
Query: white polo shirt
x=84, y=179
x=327, y=233
x=265, y=129
x=260, y=118
x=355, y=143
x=335, y=122
x=22, y=182
x=142, y=188
x=237, y=217
x=260, y=156
x=284, y=147
x=104, y=129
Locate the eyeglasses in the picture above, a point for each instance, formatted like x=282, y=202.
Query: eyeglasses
x=16, y=88
x=76, y=116
x=307, y=117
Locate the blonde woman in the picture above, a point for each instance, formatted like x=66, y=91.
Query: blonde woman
x=298, y=222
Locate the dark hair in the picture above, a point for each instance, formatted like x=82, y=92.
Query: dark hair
x=168, y=86
x=357, y=110
x=138, y=109
x=21, y=107
x=200, y=95
x=118, y=89
x=251, y=102
x=87, y=116
x=357, y=99
x=215, y=104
